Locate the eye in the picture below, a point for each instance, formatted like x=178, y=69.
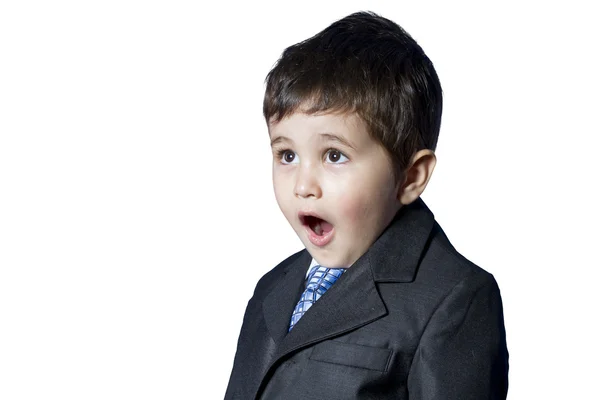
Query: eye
x=335, y=156
x=287, y=156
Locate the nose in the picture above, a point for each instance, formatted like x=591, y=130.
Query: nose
x=307, y=182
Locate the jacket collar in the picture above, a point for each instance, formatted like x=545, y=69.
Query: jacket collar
x=395, y=255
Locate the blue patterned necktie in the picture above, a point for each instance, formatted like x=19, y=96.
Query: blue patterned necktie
x=319, y=280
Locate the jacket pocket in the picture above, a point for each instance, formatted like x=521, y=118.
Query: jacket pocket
x=352, y=355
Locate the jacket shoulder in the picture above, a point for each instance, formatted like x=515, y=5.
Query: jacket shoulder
x=443, y=266
x=268, y=280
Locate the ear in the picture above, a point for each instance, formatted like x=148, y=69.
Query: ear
x=417, y=176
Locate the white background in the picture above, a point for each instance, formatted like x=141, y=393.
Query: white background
x=134, y=158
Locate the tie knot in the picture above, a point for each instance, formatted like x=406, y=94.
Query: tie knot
x=319, y=280
x=323, y=278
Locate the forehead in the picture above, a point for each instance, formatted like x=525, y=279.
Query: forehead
x=323, y=126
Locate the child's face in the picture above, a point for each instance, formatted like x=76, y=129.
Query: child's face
x=348, y=182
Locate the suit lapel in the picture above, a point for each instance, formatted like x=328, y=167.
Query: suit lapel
x=279, y=304
x=351, y=302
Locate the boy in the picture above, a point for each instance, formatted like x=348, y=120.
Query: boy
x=379, y=305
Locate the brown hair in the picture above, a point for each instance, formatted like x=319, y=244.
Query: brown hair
x=367, y=64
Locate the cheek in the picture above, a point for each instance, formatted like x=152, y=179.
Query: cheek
x=279, y=183
x=362, y=203
x=282, y=192
x=356, y=212
x=355, y=207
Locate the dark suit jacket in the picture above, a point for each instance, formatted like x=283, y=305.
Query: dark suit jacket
x=411, y=319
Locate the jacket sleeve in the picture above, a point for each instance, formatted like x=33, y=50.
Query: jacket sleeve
x=235, y=378
x=462, y=353
x=253, y=349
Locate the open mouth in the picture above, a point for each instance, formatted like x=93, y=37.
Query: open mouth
x=319, y=226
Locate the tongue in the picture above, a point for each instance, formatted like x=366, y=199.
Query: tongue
x=326, y=226
x=320, y=227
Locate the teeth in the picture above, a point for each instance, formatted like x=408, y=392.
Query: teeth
x=318, y=230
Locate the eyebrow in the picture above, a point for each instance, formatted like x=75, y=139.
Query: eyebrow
x=324, y=136
x=280, y=139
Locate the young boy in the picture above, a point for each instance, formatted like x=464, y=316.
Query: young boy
x=379, y=305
